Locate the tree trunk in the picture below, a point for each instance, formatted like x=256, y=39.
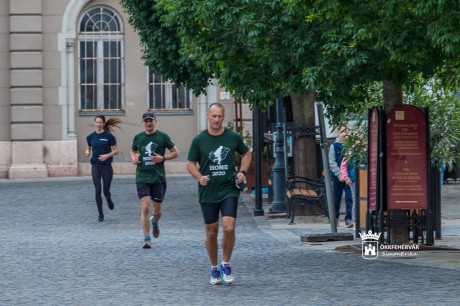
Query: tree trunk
x=304, y=147
x=392, y=96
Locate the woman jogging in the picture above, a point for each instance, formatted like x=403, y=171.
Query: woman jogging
x=103, y=145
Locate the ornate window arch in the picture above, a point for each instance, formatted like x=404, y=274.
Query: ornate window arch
x=101, y=61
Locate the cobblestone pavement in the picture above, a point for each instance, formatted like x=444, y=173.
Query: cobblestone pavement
x=54, y=252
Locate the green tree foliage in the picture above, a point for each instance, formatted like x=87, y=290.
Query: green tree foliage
x=259, y=48
x=161, y=46
x=386, y=41
x=256, y=48
x=444, y=112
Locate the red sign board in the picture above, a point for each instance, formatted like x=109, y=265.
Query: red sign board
x=373, y=158
x=406, y=156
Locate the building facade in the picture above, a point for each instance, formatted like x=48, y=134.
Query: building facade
x=62, y=63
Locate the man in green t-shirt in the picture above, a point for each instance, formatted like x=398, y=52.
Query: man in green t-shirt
x=148, y=153
x=214, y=151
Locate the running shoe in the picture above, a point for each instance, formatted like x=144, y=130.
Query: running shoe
x=110, y=204
x=101, y=218
x=155, y=228
x=147, y=243
x=227, y=276
x=216, y=278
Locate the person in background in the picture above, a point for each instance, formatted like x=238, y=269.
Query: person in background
x=348, y=171
x=148, y=153
x=338, y=183
x=214, y=150
x=103, y=145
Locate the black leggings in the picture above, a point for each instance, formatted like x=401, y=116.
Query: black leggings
x=106, y=173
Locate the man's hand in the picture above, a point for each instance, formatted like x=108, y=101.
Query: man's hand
x=135, y=158
x=157, y=158
x=204, y=180
x=240, y=177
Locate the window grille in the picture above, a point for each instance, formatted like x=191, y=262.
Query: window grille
x=167, y=96
x=101, y=61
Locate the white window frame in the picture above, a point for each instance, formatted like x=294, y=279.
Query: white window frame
x=167, y=103
x=101, y=35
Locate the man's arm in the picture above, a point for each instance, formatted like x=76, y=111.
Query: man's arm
x=333, y=163
x=245, y=163
x=173, y=153
x=135, y=157
x=157, y=158
x=192, y=168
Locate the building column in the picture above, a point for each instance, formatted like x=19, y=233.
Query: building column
x=5, y=121
x=70, y=43
x=26, y=90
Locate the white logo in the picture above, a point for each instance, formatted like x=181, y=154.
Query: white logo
x=150, y=148
x=370, y=245
x=219, y=155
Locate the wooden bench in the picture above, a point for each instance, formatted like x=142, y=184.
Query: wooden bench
x=305, y=191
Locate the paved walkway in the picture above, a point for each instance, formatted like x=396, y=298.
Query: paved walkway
x=444, y=253
x=54, y=252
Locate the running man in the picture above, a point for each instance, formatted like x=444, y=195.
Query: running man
x=148, y=153
x=214, y=151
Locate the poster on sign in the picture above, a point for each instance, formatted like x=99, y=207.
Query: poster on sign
x=406, y=158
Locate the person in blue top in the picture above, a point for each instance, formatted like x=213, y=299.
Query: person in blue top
x=103, y=146
x=338, y=182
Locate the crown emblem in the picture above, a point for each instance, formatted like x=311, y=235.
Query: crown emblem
x=370, y=236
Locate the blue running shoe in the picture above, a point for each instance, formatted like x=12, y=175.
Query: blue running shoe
x=155, y=228
x=227, y=276
x=216, y=278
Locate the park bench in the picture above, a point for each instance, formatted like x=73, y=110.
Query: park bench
x=307, y=192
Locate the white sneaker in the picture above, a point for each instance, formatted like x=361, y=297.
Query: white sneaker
x=227, y=276
x=216, y=278
x=147, y=244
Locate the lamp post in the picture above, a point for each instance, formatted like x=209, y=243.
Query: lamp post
x=258, y=136
x=279, y=177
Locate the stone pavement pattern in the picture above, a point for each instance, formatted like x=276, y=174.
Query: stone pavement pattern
x=54, y=252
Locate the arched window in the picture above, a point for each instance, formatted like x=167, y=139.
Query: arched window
x=101, y=61
x=167, y=96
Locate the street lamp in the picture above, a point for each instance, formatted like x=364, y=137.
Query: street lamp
x=279, y=176
x=258, y=139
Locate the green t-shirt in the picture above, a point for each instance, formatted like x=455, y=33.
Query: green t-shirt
x=216, y=158
x=147, y=144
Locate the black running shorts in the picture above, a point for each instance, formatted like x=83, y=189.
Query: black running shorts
x=155, y=191
x=227, y=207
